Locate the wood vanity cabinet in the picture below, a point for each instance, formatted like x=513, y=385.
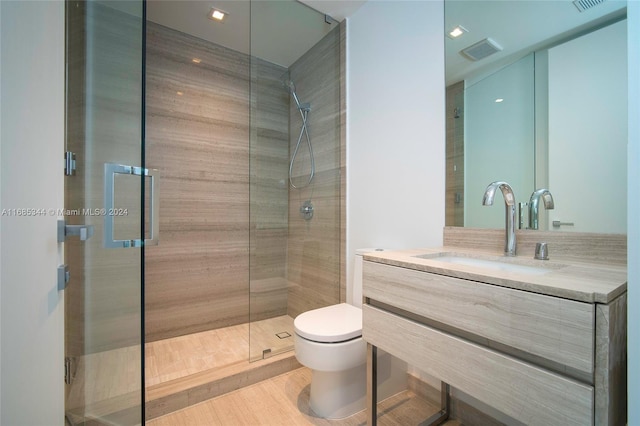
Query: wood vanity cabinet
x=540, y=359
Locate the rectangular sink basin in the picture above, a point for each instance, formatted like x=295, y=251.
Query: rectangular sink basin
x=496, y=265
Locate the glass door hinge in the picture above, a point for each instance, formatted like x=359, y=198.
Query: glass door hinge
x=69, y=374
x=69, y=163
x=63, y=276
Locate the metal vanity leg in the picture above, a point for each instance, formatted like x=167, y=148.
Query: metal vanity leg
x=442, y=415
x=372, y=393
x=372, y=382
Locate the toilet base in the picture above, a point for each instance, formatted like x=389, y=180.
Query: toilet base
x=338, y=394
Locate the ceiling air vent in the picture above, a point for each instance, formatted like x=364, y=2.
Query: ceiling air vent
x=583, y=5
x=481, y=49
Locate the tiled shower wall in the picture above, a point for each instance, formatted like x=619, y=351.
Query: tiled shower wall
x=223, y=192
x=315, y=246
x=198, y=138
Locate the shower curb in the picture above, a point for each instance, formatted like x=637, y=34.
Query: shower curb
x=174, y=395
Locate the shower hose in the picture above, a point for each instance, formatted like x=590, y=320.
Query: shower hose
x=304, y=132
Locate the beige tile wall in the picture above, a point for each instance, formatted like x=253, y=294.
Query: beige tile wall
x=314, y=247
x=197, y=277
x=233, y=245
x=454, y=204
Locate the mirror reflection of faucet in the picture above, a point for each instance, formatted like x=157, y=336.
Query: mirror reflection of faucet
x=534, y=202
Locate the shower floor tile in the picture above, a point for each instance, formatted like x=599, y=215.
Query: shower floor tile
x=274, y=334
x=182, y=356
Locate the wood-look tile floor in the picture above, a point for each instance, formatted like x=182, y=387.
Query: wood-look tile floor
x=284, y=400
x=181, y=356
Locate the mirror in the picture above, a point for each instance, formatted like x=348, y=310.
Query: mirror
x=547, y=109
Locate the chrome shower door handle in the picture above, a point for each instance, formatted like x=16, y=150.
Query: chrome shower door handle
x=110, y=171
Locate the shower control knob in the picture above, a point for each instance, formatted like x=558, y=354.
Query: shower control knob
x=306, y=210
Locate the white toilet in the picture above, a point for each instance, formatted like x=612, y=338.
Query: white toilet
x=329, y=342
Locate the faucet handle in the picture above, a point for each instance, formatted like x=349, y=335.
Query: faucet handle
x=542, y=252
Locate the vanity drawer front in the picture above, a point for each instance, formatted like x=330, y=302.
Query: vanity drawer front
x=552, y=328
x=527, y=393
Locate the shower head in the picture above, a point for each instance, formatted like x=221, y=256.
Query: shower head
x=291, y=87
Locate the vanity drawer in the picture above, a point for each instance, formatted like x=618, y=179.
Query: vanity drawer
x=527, y=393
x=546, y=327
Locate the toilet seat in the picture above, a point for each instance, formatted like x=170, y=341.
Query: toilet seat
x=331, y=324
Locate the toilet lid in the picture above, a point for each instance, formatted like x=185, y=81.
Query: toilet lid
x=335, y=323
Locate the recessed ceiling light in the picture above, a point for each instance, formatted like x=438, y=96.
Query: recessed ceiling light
x=217, y=14
x=457, y=32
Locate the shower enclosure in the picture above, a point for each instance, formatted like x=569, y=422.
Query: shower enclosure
x=239, y=255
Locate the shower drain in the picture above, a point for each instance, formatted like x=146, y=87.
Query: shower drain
x=283, y=335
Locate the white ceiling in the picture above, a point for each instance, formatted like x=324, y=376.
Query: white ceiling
x=279, y=31
x=337, y=9
x=519, y=26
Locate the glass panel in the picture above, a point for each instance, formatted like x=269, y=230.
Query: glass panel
x=197, y=136
x=103, y=316
x=295, y=204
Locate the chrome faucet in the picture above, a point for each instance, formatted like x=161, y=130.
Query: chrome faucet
x=534, y=201
x=510, y=213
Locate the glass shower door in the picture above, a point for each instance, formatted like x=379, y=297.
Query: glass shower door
x=104, y=201
x=295, y=179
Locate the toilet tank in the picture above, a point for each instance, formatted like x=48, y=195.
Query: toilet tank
x=356, y=282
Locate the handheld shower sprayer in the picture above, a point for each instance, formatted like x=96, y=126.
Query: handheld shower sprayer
x=304, y=110
x=291, y=87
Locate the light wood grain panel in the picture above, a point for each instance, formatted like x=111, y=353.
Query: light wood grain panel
x=556, y=329
x=567, y=278
x=611, y=362
x=520, y=390
x=605, y=249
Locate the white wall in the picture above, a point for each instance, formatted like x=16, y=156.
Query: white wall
x=31, y=177
x=395, y=134
x=633, y=206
